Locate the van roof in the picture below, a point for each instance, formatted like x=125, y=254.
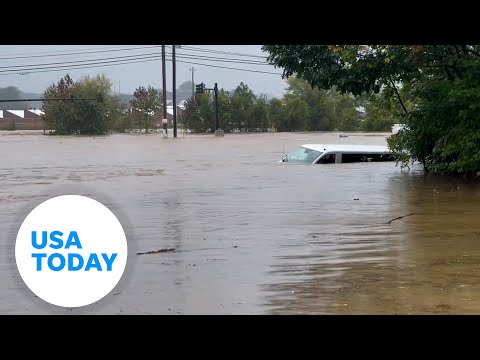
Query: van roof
x=347, y=148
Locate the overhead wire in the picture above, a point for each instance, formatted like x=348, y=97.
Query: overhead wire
x=138, y=58
x=179, y=55
x=193, y=48
x=82, y=52
x=27, y=67
x=126, y=61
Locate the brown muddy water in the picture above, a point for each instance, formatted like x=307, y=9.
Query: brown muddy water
x=251, y=235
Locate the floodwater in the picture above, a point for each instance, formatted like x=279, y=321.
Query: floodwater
x=251, y=235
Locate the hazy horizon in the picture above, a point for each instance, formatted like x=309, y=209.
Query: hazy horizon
x=32, y=68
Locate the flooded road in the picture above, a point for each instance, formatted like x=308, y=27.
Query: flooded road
x=251, y=235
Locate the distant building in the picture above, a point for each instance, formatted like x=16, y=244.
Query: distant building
x=21, y=120
x=32, y=119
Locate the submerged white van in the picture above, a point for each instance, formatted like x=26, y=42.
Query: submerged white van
x=333, y=153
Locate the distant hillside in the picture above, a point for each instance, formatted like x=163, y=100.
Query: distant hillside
x=13, y=93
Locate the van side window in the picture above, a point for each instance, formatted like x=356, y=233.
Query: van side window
x=327, y=159
x=351, y=158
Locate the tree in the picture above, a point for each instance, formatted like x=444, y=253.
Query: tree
x=242, y=99
x=224, y=110
x=347, y=114
x=328, y=109
x=258, y=114
x=296, y=114
x=275, y=113
x=59, y=116
x=94, y=117
x=380, y=112
x=354, y=69
x=121, y=119
x=146, y=107
x=67, y=117
x=198, y=113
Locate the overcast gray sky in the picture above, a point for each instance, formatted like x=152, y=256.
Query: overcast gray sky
x=16, y=69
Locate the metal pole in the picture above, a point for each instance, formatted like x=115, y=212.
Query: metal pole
x=216, y=106
x=193, y=82
x=174, y=97
x=164, y=90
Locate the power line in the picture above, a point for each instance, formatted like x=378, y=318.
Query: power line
x=87, y=66
x=193, y=48
x=63, y=51
x=231, y=68
x=114, y=49
x=210, y=58
x=75, y=53
x=40, y=66
x=30, y=67
x=121, y=61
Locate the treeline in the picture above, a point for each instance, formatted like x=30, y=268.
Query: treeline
x=301, y=109
x=90, y=107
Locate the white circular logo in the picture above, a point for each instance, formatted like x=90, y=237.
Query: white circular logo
x=71, y=251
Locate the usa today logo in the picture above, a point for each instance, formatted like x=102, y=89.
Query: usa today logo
x=71, y=251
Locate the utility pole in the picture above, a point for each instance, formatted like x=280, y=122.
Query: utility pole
x=164, y=90
x=192, y=69
x=215, y=89
x=174, y=87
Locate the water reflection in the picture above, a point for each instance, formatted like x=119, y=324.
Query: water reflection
x=423, y=263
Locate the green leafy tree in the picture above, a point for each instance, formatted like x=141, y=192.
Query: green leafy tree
x=146, y=107
x=380, y=113
x=242, y=100
x=347, y=114
x=276, y=117
x=258, y=114
x=93, y=117
x=121, y=120
x=198, y=114
x=59, y=116
x=328, y=109
x=296, y=114
x=224, y=110
x=89, y=116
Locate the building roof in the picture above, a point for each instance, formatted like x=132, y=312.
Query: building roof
x=37, y=111
x=19, y=113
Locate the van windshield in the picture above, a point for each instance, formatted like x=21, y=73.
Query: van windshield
x=302, y=155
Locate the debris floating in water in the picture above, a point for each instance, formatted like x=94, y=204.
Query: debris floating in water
x=400, y=217
x=156, y=251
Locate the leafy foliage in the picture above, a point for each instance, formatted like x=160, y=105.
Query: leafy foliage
x=66, y=117
x=146, y=107
x=302, y=108
x=432, y=89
